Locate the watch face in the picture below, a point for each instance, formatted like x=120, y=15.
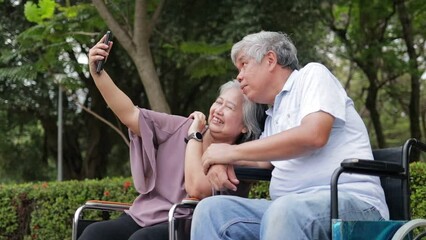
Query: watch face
x=198, y=135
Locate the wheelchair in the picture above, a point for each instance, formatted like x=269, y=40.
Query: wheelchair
x=392, y=166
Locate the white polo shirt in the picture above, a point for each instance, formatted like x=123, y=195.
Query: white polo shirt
x=311, y=89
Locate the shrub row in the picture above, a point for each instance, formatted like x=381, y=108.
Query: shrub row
x=418, y=189
x=45, y=210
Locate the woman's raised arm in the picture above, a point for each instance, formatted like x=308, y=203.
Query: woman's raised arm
x=116, y=99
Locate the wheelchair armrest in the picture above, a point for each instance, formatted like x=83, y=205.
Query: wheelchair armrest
x=107, y=205
x=371, y=167
x=362, y=166
x=96, y=205
x=253, y=173
x=189, y=202
x=185, y=203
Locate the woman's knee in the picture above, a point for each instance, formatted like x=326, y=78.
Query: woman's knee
x=93, y=231
x=118, y=228
x=156, y=232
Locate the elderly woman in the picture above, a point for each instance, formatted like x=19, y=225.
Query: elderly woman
x=166, y=150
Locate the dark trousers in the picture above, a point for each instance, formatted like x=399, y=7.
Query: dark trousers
x=124, y=228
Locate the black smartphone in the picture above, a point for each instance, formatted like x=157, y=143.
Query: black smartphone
x=100, y=64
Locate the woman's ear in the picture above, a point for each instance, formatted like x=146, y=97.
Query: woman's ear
x=244, y=130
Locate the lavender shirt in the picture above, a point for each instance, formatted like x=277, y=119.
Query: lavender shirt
x=157, y=163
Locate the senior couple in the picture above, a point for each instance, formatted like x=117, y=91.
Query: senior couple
x=308, y=127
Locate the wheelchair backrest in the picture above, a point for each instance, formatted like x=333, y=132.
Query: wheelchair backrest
x=396, y=190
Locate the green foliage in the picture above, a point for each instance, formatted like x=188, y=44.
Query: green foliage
x=42, y=11
x=33, y=58
x=209, y=61
x=418, y=189
x=260, y=190
x=190, y=45
x=374, y=40
x=205, y=48
x=17, y=73
x=18, y=143
x=72, y=12
x=44, y=210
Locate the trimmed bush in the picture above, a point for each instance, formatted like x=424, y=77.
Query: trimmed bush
x=45, y=210
x=418, y=190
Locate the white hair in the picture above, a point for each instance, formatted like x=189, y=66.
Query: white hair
x=253, y=114
x=256, y=45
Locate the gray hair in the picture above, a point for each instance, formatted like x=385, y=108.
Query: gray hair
x=253, y=114
x=256, y=45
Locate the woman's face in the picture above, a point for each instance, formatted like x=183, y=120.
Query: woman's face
x=226, y=116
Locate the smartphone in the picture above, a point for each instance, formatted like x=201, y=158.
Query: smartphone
x=100, y=64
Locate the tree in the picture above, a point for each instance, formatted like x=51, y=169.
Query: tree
x=187, y=43
x=31, y=63
x=371, y=34
x=21, y=131
x=415, y=73
x=135, y=40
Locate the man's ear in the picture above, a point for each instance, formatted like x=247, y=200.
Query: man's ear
x=271, y=58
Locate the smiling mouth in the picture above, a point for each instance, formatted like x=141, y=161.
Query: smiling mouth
x=217, y=120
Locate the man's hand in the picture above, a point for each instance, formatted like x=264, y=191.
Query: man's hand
x=223, y=177
x=216, y=153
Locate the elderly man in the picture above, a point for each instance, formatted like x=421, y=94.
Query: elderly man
x=311, y=127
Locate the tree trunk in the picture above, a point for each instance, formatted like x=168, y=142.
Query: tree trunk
x=371, y=105
x=415, y=73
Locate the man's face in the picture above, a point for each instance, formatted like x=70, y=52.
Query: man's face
x=251, y=77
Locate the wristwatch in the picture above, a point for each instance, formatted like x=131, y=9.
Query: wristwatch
x=197, y=136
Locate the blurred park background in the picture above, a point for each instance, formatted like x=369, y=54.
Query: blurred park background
x=171, y=56
x=61, y=145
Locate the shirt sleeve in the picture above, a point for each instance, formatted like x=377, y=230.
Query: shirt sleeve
x=155, y=128
x=322, y=92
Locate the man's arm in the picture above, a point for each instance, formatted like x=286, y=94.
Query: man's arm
x=261, y=164
x=223, y=177
x=312, y=134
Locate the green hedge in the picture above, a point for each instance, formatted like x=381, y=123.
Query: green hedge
x=45, y=210
x=418, y=190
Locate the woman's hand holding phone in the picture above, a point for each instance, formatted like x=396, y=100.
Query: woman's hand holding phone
x=100, y=63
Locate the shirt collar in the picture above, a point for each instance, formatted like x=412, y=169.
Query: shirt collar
x=288, y=85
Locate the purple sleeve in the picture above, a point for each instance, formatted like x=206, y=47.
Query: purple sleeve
x=155, y=128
